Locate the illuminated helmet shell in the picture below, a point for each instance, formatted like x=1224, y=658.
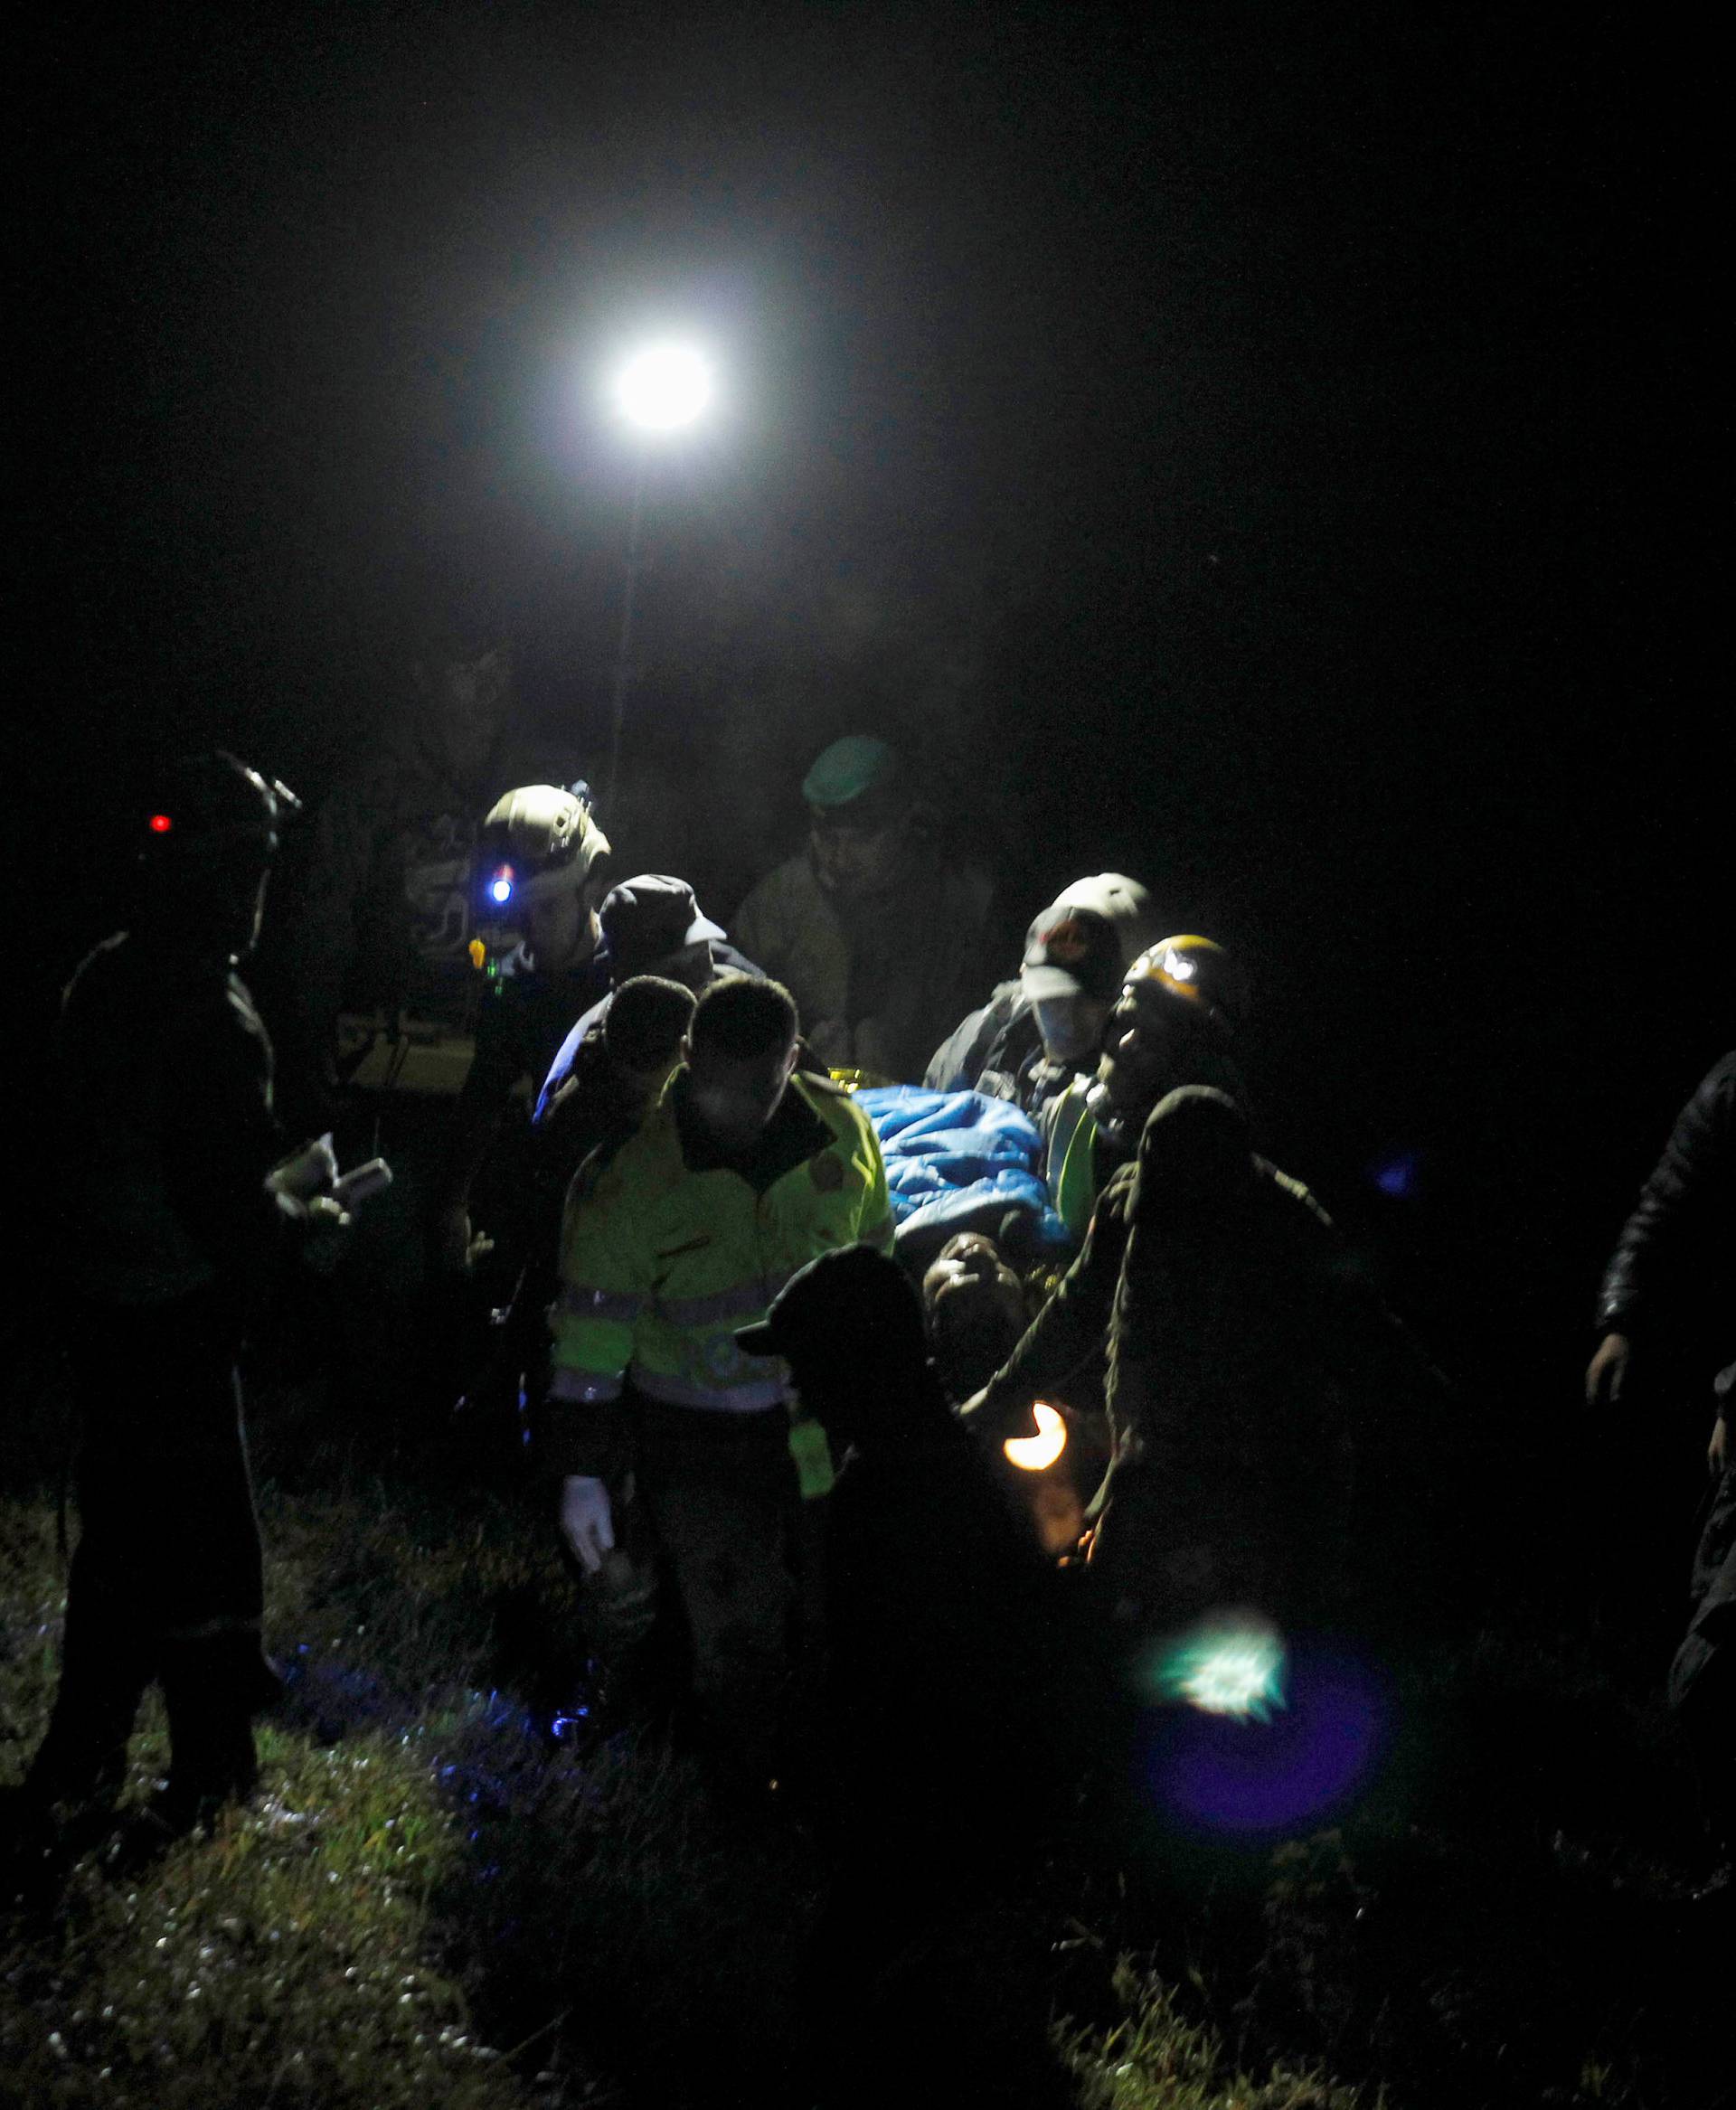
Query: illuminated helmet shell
x=539, y=842
x=1196, y=972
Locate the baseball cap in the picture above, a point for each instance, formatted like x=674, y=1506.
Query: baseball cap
x=1086, y=938
x=851, y=1301
x=647, y=918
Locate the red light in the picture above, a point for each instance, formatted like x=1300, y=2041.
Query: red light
x=161, y=823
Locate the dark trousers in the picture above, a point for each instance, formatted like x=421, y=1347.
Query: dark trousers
x=708, y=1516
x=167, y=1580
x=1703, y=1677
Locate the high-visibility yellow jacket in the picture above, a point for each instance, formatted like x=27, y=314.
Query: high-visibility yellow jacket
x=661, y=1262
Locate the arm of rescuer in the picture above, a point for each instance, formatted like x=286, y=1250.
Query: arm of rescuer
x=477, y=1115
x=875, y=1224
x=605, y=1283
x=1695, y=1177
x=1072, y=1325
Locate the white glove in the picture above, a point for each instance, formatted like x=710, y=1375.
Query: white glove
x=301, y=1186
x=586, y=1522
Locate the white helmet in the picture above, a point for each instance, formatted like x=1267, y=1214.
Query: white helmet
x=536, y=843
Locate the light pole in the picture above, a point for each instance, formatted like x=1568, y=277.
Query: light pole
x=662, y=389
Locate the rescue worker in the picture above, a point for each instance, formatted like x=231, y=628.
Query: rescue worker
x=379, y=905
x=1040, y=1032
x=1177, y=1020
x=651, y=924
x=167, y=1202
x=1241, y=1359
x=879, y=938
x=673, y=1447
x=621, y=1067
x=1677, y=1251
x=540, y=866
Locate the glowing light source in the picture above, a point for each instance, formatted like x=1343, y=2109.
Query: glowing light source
x=664, y=388
x=1397, y=1175
x=1036, y=1454
x=500, y=888
x=1229, y=1669
x=160, y=823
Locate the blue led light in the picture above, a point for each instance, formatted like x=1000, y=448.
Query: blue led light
x=1397, y=1175
x=501, y=890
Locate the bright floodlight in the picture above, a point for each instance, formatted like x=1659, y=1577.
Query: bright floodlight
x=666, y=387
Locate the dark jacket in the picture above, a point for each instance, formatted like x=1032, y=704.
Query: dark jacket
x=1686, y=1216
x=998, y=1052
x=165, y=1128
x=1249, y=1370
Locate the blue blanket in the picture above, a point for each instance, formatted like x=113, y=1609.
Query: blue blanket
x=958, y=1161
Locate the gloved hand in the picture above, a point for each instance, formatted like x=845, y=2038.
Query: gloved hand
x=586, y=1522
x=301, y=1185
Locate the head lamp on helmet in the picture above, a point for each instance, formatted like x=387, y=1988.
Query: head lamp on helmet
x=538, y=841
x=1195, y=972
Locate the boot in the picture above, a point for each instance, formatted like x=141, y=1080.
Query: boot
x=211, y=1689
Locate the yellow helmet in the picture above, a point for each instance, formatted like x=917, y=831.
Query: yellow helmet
x=1193, y=971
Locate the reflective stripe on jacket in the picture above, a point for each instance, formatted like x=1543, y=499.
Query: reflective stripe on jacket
x=660, y=1263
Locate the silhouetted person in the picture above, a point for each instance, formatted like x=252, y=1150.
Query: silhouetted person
x=1244, y=1366
x=1677, y=1251
x=166, y=1136
x=938, y=1755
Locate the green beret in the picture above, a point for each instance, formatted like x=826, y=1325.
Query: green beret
x=849, y=769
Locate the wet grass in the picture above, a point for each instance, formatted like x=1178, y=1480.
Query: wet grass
x=437, y=1902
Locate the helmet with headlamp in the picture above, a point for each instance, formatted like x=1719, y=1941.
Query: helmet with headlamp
x=1195, y=972
x=538, y=842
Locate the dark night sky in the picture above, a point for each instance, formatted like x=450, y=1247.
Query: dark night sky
x=1269, y=449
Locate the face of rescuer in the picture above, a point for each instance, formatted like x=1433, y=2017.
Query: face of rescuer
x=733, y=1098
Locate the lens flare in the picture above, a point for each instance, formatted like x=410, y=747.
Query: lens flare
x=1236, y=1671
x=1036, y=1453
x=1230, y=1760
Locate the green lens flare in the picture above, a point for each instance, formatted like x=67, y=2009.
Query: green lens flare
x=1230, y=1670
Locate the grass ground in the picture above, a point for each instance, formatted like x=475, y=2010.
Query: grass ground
x=436, y=1901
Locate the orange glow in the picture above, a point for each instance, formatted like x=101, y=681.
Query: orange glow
x=1036, y=1454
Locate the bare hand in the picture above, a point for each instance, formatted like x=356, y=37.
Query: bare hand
x=1608, y=1371
x=452, y=1248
